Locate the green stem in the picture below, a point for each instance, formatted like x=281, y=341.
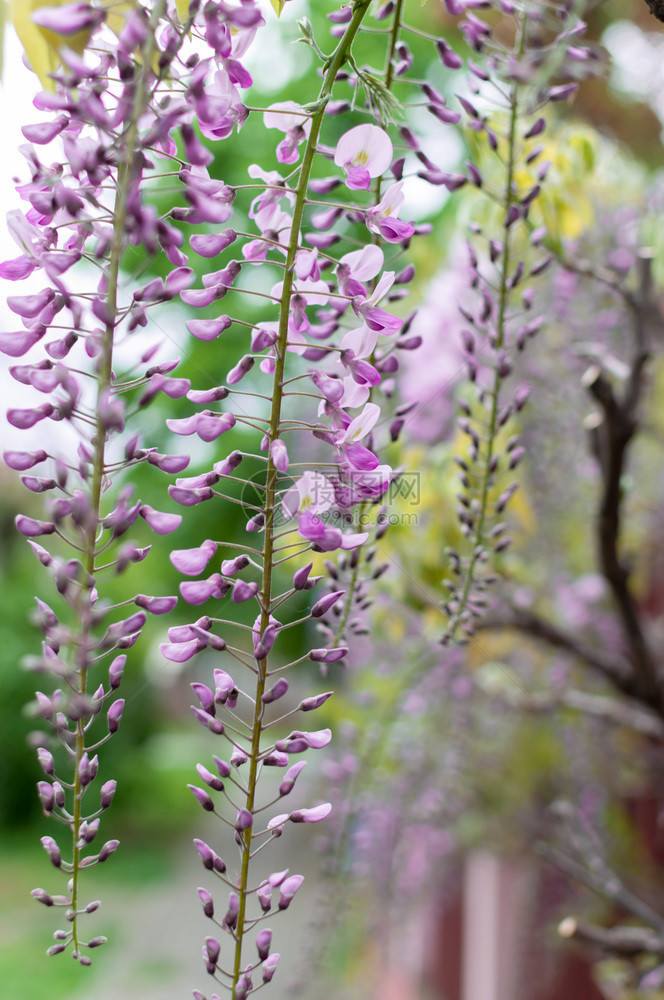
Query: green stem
x=104, y=380
x=336, y=61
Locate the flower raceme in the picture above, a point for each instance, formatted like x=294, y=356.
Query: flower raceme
x=114, y=132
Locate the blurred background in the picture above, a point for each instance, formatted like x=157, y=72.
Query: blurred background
x=467, y=783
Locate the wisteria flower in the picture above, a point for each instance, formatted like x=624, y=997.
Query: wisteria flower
x=382, y=218
x=288, y=117
x=363, y=152
x=314, y=494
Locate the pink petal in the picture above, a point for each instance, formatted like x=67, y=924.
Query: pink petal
x=180, y=652
x=161, y=523
x=193, y=561
x=313, y=815
x=208, y=329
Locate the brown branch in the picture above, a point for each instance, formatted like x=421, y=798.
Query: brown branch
x=606, y=884
x=656, y=8
x=621, y=712
x=627, y=941
x=614, y=669
x=612, y=438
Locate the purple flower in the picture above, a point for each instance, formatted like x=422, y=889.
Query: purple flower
x=363, y=152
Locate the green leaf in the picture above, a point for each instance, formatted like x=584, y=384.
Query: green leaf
x=278, y=6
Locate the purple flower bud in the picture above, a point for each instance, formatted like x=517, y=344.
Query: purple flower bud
x=301, y=577
x=199, y=591
x=222, y=767
x=156, y=605
x=328, y=655
x=288, y=889
x=562, y=92
x=286, y=786
x=264, y=893
x=237, y=373
x=206, y=900
x=107, y=792
x=278, y=690
x=213, y=949
x=114, y=715
x=256, y=522
x=244, y=820
x=45, y=758
x=270, y=963
x=210, y=859
x=116, y=670
x=322, y=606
x=31, y=528
x=264, y=643
x=243, y=591
x=53, y=851
x=210, y=779
x=46, y=796
x=22, y=460
x=315, y=701
x=202, y=797
x=279, y=455
x=263, y=942
x=42, y=897
x=206, y=697
x=313, y=815
x=215, y=726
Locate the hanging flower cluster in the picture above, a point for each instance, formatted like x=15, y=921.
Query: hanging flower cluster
x=313, y=386
x=84, y=212
x=503, y=100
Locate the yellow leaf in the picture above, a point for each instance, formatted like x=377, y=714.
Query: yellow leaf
x=116, y=17
x=42, y=47
x=3, y=20
x=278, y=6
x=182, y=7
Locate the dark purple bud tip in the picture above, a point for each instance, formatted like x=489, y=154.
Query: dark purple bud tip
x=53, y=851
x=328, y=655
x=110, y=847
x=244, y=820
x=213, y=949
x=206, y=853
x=301, y=577
x=210, y=779
x=107, y=793
x=263, y=942
x=206, y=901
x=278, y=690
x=270, y=963
x=202, y=797
x=323, y=606
x=114, y=715
x=42, y=897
